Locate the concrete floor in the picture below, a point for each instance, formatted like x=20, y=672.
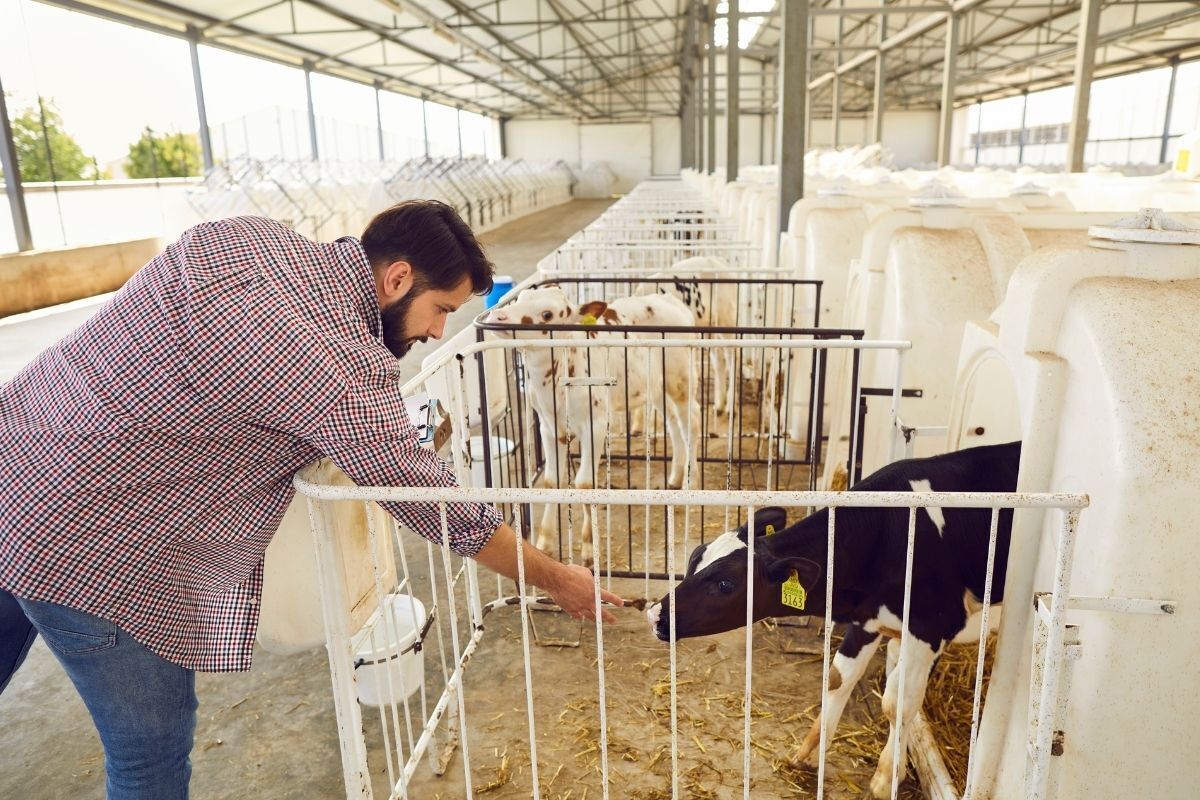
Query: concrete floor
x=266, y=733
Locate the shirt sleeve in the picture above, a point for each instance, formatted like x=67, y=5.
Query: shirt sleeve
x=369, y=436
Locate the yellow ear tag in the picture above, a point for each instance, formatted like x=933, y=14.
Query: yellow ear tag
x=770, y=530
x=587, y=319
x=793, y=594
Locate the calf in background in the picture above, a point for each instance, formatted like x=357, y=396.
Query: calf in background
x=568, y=407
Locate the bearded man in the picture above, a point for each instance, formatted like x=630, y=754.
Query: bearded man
x=146, y=460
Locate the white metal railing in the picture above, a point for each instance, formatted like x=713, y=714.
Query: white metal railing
x=458, y=605
x=458, y=581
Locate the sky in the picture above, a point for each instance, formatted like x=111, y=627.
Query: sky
x=119, y=79
x=101, y=89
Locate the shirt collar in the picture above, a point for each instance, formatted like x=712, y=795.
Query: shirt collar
x=351, y=254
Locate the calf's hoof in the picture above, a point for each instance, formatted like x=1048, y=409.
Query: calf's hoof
x=881, y=783
x=802, y=757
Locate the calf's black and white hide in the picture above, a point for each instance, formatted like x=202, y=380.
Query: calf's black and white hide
x=870, y=546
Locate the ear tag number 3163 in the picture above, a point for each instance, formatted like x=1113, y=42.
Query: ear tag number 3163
x=792, y=593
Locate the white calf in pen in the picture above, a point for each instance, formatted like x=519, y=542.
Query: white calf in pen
x=577, y=389
x=712, y=304
x=948, y=581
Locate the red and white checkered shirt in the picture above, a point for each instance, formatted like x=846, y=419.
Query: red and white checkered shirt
x=146, y=459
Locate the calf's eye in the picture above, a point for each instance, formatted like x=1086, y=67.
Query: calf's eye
x=547, y=316
x=725, y=587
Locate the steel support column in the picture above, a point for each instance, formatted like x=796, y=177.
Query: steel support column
x=193, y=37
x=425, y=126
x=312, y=114
x=687, y=94
x=732, y=107
x=808, y=92
x=978, y=130
x=1166, y=135
x=698, y=88
x=790, y=123
x=880, y=78
x=1085, y=61
x=12, y=179
x=503, y=123
x=712, y=98
x=837, y=83
x=458, y=123
x=949, y=77
x=1021, y=137
x=379, y=123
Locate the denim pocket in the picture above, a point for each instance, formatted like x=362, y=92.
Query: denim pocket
x=70, y=632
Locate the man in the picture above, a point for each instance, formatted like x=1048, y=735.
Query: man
x=146, y=459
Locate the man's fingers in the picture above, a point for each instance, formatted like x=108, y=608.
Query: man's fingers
x=609, y=597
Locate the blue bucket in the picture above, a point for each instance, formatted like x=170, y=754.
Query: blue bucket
x=501, y=285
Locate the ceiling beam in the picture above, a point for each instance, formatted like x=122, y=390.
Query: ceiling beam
x=528, y=57
x=271, y=49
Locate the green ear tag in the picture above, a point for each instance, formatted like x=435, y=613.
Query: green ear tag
x=587, y=319
x=793, y=594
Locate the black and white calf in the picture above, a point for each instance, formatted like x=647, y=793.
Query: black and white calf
x=870, y=548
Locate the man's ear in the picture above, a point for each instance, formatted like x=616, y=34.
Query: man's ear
x=596, y=308
x=395, y=280
x=807, y=571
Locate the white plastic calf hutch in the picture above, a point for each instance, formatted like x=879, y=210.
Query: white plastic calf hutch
x=921, y=276
x=1091, y=360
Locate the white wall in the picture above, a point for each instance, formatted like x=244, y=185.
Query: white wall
x=632, y=150
x=851, y=131
x=668, y=143
x=624, y=147
x=912, y=136
x=542, y=139
x=752, y=147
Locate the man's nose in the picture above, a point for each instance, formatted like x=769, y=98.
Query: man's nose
x=437, y=328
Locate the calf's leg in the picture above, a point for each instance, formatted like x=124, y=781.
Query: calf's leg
x=849, y=665
x=918, y=661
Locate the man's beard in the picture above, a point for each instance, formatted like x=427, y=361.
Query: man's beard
x=395, y=321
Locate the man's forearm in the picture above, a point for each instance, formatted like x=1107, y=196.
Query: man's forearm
x=500, y=555
x=570, y=585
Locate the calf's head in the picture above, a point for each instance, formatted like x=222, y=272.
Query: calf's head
x=546, y=305
x=712, y=596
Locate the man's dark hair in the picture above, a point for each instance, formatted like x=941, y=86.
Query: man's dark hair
x=431, y=237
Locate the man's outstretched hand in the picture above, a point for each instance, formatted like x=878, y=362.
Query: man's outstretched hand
x=571, y=586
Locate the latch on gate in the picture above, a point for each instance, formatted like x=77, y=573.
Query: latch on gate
x=602, y=381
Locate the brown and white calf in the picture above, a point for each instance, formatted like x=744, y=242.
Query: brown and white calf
x=870, y=549
x=563, y=390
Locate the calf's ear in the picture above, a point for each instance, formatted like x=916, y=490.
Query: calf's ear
x=807, y=571
x=595, y=308
x=772, y=516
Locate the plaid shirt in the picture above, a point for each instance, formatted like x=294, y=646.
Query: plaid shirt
x=146, y=459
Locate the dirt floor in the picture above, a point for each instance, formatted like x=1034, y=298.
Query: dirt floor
x=710, y=681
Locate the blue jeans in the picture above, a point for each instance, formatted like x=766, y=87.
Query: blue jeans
x=144, y=707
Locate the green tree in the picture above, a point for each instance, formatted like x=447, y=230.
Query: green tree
x=166, y=156
x=63, y=159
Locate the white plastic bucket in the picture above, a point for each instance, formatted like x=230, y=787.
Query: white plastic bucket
x=501, y=449
x=388, y=651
